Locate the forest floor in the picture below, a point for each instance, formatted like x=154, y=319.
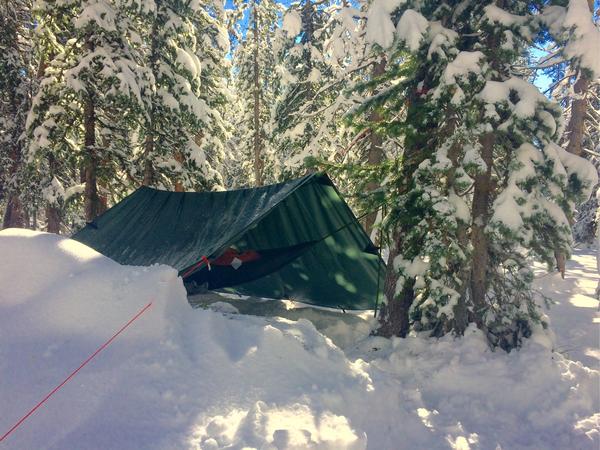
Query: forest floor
x=273, y=375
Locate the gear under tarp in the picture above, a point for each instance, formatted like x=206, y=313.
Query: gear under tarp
x=296, y=240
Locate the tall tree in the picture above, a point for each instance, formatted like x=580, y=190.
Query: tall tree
x=86, y=104
x=180, y=36
x=576, y=77
x=256, y=83
x=16, y=80
x=482, y=184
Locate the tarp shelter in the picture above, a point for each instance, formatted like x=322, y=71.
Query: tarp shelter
x=297, y=240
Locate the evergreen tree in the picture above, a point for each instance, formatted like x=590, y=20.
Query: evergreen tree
x=89, y=93
x=573, y=38
x=307, y=119
x=482, y=184
x=179, y=34
x=15, y=96
x=213, y=48
x=256, y=85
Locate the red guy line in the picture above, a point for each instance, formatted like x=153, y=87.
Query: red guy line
x=203, y=260
x=66, y=380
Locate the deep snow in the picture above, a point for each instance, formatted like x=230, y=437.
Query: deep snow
x=204, y=379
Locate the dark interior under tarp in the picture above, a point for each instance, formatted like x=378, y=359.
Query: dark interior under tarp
x=296, y=240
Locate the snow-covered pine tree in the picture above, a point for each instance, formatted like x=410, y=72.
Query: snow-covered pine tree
x=212, y=50
x=576, y=85
x=176, y=35
x=256, y=84
x=482, y=185
x=16, y=80
x=307, y=115
x=87, y=103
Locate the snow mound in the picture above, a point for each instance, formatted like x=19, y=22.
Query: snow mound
x=180, y=378
x=171, y=371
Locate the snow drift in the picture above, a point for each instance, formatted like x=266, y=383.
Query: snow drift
x=181, y=378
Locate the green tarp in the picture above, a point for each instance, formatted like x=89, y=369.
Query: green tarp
x=297, y=240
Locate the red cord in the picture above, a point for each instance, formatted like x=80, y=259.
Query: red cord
x=203, y=260
x=66, y=380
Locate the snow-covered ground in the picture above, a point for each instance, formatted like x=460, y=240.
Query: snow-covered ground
x=179, y=378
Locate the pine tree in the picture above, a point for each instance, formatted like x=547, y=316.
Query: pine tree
x=15, y=96
x=482, y=184
x=175, y=112
x=256, y=85
x=213, y=48
x=307, y=115
x=574, y=37
x=89, y=93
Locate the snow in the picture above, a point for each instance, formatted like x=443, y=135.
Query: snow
x=575, y=316
x=411, y=28
x=292, y=23
x=462, y=65
x=180, y=378
x=498, y=15
x=380, y=27
x=188, y=61
x=586, y=43
x=99, y=12
x=529, y=96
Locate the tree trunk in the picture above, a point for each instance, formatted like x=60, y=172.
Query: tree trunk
x=576, y=128
x=258, y=162
x=393, y=316
x=375, y=154
x=148, y=168
x=481, y=199
x=53, y=213
x=460, y=310
x=14, y=216
x=53, y=219
x=178, y=183
x=149, y=172
x=91, y=198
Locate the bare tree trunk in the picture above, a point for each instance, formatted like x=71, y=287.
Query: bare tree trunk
x=481, y=200
x=258, y=162
x=53, y=214
x=393, y=316
x=91, y=198
x=53, y=219
x=576, y=128
x=14, y=215
x=148, y=168
x=178, y=183
x=375, y=155
x=149, y=172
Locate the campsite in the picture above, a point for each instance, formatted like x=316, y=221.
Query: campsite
x=299, y=225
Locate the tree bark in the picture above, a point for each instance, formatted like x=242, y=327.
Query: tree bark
x=375, y=154
x=148, y=168
x=258, y=162
x=14, y=215
x=149, y=172
x=481, y=200
x=393, y=316
x=576, y=128
x=53, y=213
x=91, y=199
x=460, y=310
